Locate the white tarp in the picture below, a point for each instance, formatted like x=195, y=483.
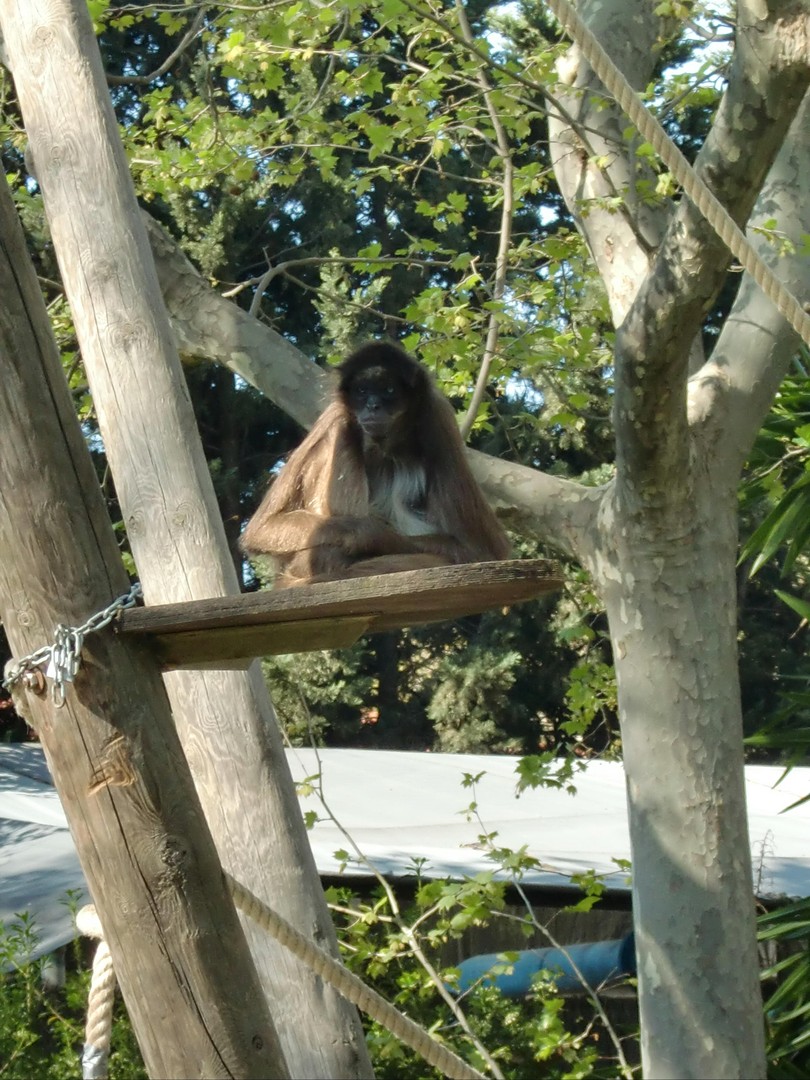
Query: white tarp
x=402, y=807
x=39, y=867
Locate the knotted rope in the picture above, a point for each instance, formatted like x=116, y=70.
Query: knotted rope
x=98, y=1029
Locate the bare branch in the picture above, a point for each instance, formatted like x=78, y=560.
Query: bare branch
x=504, y=238
x=757, y=344
x=144, y=80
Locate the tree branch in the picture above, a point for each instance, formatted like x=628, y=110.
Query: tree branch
x=735, y=389
x=653, y=342
x=593, y=162
x=207, y=325
x=145, y=80
x=533, y=503
x=504, y=235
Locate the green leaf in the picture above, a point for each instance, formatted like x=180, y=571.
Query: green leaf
x=801, y=607
x=778, y=527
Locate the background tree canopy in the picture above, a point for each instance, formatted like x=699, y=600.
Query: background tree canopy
x=353, y=168
x=351, y=172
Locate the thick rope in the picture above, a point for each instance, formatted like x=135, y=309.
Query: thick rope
x=98, y=1029
x=95, y=1055
x=699, y=194
x=352, y=988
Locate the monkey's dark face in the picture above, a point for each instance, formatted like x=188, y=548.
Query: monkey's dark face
x=379, y=401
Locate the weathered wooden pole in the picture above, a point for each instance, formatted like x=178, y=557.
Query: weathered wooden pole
x=178, y=948
x=224, y=718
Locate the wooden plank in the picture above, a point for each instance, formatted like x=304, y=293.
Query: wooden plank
x=235, y=647
x=332, y=614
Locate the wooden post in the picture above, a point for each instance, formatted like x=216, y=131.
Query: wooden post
x=224, y=718
x=178, y=948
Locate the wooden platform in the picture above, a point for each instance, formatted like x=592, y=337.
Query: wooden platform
x=230, y=631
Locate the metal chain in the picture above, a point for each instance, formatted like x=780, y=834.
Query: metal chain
x=63, y=658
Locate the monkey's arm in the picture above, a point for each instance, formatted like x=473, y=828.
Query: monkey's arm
x=309, y=547
x=284, y=534
x=455, y=504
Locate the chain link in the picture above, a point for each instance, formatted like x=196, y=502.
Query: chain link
x=62, y=659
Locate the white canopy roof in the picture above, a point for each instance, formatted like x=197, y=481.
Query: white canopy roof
x=401, y=807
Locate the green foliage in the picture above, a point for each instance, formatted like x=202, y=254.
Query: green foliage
x=469, y=699
x=315, y=693
x=493, y=683
x=776, y=494
x=546, y=770
x=780, y=480
x=786, y=986
x=499, y=682
x=787, y=525
x=317, y=134
x=591, y=695
x=42, y=1031
x=404, y=952
x=775, y=499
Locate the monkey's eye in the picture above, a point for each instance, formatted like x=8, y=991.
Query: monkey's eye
x=363, y=391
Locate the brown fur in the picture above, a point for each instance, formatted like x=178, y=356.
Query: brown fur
x=317, y=520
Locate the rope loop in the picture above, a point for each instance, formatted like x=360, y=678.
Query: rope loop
x=98, y=1028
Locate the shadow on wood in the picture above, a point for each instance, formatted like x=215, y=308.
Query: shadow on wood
x=229, y=631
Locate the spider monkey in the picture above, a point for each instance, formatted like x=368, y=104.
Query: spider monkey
x=380, y=484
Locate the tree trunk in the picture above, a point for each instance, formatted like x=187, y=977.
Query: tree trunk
x=224, y=718
x=672, y=604
x=665, y=548
x=179, y=952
